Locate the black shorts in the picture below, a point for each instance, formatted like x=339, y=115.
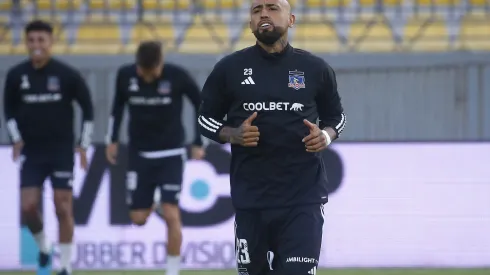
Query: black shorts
x=58, y=167
x=284, y=241
x=147, y=176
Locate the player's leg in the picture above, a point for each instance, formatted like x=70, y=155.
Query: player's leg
x=140, y=185
x=32, y=177
x=62, y=183
x=299, y=241
x=170, y=175
x=251, y=243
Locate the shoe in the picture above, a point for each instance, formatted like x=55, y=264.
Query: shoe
x=43, y=259
x=64, y=272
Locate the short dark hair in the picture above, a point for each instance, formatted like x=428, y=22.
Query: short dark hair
x=38, y=25
x=149, y=54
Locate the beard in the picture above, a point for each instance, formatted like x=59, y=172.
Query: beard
x=269, y=37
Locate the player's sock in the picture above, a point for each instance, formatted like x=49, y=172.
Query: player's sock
x=42, y=242
x=173, y=265
x=65, y=256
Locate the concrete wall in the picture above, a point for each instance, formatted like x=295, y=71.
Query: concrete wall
x=389, y=97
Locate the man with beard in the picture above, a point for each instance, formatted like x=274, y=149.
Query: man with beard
x=272, y=95
x=38, y=98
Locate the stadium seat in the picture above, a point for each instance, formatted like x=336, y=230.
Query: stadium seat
x=423, y=35
x=97, y=39
x=161, y=32
x=246, y=39
x=224, y=4
x=326, y=3
x=58, y=5
x=374, y=37
x=111, y=4
x=386, y=3
x=205, y=37
x=478, y=3
x=318, y=38
x=474, y=34
x=437, y=2
x=167, y=4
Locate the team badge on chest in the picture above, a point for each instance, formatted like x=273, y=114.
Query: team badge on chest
x=164, y=87
x=53, y=84
x=296, y=80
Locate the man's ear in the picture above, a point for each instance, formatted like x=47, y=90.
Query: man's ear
x=292, y=20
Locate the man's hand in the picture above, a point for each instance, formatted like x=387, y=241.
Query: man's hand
x=316, y=141
x=111, y=153
x=197, y=152
x=246, y=135
x=82, y=153
x=17, y=150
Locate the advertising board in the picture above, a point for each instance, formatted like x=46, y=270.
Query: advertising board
x=392, y=205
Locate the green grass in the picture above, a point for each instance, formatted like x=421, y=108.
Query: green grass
x=320, y=272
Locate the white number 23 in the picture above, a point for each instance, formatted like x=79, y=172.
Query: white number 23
x=247, y=71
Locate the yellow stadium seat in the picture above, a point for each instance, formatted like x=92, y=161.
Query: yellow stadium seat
x=318, y=38
x=162, y=32
x=478, y=3
x=58, y=5
x=422, y=35
x=245, y=40
x=204, y=37
x=326, y=3
x=7, y=5
x=6, y=41
x=387, y=3
x=437, y=2
x=225, y=4
x=374, y=37
x=167, y=4
x=474, y=34
x=96, y=33
x=111, y=4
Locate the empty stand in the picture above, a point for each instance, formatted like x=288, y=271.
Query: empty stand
x=426, y=35
x=205, y=37
x=111, y=4
x=167, y=4
x=147, y=31
x=97, y=38
x=373, y=36
x=221, y=4
x=474, y=33
x=57, y=5
x=316, y=38
x=326, y=3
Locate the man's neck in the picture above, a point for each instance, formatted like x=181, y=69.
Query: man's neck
x=38, y=64
x=277, y=47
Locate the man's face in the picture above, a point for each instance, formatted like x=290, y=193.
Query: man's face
x=150, y=74
x=270, y=20
x=39, y=45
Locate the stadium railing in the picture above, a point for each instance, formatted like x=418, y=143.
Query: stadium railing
x=220, y=26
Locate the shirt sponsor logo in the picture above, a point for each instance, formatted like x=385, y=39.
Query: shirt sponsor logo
x=272, y=106
x=42, y=98
x=301, y=260
x=149, y=101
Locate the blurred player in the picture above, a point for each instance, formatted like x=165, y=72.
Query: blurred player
x=38, y=107
x=272, y=95
x=154, y=93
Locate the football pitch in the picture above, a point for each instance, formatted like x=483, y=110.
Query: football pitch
x=320, y=272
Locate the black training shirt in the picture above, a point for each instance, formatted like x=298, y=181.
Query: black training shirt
x=284, y=89
x=38, y=106
x=155, y=109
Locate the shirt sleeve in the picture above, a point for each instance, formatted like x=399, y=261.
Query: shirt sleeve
x=11, y=105
x=84, y=99
x=328, y=102
x=215, y=103
x=117, y=113
x=192, y=91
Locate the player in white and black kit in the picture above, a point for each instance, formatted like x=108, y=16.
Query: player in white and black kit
x=272, y=95
x=154, y=93
x=38, y=98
